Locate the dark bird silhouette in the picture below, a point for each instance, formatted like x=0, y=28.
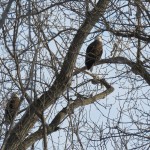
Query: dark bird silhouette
x=11, y=108
x=93, y=52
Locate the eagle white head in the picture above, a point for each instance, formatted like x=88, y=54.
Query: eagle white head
x=99, y=38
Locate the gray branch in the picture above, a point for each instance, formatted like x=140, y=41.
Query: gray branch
x=21, y=129
x=137, y=69
x=53, y=126
x=5, y=13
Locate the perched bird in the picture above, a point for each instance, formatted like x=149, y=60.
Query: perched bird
x=12, y=107
x=93, y=52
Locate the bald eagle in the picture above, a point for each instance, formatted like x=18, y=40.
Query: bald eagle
x=93, y=52
x=11, y=108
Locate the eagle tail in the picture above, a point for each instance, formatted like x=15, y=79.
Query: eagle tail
x=89, y=64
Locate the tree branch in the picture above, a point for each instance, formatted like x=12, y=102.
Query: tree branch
x=4, y=15
x=137, y=69
x=128, y=34
x=53, y=126
x=60, y=84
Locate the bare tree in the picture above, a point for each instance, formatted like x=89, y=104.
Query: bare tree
x=62, y=105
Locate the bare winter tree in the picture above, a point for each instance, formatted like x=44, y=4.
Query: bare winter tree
x=62, y=105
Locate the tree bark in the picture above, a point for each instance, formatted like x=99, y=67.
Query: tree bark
x=53, y=126
x=21, y=129
x=5, y=13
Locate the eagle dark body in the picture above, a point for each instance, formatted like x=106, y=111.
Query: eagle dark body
x=11, y=108
x=93, y=53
